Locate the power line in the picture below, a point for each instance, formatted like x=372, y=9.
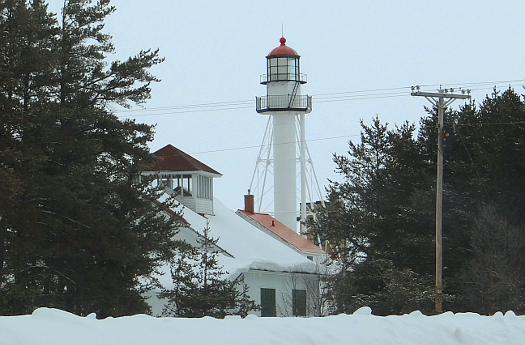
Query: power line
x=283, y=143
x=197, y=105
x=193, y=111
x=360, y=97
x=485, y=83
x=463, y=84
x=365, y=91
x=480, y=124
x=219, y=104
x=320, y=98
x=251, y=105
x=238, y=148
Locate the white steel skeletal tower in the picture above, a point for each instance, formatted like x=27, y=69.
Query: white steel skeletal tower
x=284, y=147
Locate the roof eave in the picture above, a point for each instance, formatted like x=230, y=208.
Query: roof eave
x=181, y=172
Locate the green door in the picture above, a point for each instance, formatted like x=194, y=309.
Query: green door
x=268, y=302
x=299, y=302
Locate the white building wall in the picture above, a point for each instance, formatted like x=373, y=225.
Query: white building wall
x=204, y=206
x=188, y=201
x=198, y=205
x=283, y=283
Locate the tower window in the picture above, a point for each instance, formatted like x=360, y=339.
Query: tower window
x=283, y=69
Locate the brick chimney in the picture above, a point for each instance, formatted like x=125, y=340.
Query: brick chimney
x=249, y=202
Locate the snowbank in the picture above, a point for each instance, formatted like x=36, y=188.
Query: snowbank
x=54, y=327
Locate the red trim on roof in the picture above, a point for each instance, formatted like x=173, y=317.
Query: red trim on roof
x=282, y=50
x=170, y=158
x=284, y=232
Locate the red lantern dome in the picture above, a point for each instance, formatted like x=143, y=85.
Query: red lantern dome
x=282, y=51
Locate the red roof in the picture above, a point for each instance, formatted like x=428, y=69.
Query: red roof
x=170, y=158
x=282, y=51
x=284, y=232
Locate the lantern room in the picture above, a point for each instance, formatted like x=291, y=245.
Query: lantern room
x=282, y=64
x=283, y=80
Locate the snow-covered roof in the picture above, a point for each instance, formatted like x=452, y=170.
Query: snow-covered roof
x=250, y=247
x=51, y=326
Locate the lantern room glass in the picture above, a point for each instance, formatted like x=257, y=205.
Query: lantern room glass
x=283, y=69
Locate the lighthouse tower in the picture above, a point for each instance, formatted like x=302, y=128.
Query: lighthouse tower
x=284, y=138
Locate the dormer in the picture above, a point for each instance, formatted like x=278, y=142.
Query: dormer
x=189, y=180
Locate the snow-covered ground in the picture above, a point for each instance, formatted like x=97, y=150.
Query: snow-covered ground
x=54, y=327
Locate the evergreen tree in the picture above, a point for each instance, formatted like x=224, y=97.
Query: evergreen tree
x=492, y=280
x=201, y=287
x=26, y=39
x=77, y=230
x=379, y=233
x=380, y=217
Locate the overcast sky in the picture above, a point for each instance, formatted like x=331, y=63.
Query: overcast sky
x=215, y=52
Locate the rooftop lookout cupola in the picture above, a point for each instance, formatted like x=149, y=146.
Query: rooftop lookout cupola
x=286, y=106
x=188, y=179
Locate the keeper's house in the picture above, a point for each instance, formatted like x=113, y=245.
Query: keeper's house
x=278, y=267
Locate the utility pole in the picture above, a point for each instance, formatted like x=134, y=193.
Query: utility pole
x=441, y=100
